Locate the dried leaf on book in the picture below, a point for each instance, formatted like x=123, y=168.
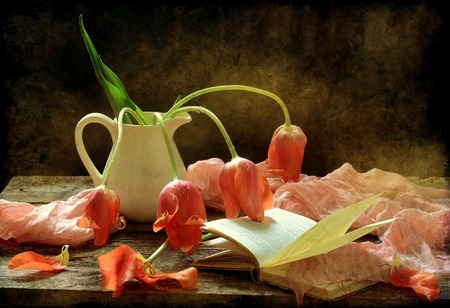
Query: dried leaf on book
x=282, y=238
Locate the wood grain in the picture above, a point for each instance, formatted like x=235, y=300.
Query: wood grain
x=81, y=283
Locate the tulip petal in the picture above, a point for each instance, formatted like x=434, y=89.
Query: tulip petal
x=186, y=279
x=117, y=267
x=32, y=260
x=253, y=191
x=162, y=221
x=125, y=264
x=425, y=285
x=191, y=234
x=227, y=189
x=87, y=222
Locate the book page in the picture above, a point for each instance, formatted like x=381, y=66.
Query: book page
x=329, y=233
x=228, y=260
x=222, y=242
x=293, y=253
x=263, y=239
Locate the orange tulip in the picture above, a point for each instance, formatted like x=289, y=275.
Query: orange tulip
x=244, y=186
x=286, y=151
x=101, y=213
x=181, y=212
x=425, y=285
x=125, y=264
x=32, y=260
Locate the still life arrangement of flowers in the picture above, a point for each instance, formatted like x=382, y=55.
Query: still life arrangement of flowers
x=241, y=185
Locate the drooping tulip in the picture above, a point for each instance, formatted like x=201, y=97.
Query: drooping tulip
x=101, y=213
x=125, y=264
x=244, y=187
x=286, y=151
x=181, y=211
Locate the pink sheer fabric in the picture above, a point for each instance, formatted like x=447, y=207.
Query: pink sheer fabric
x=419, y=235
x=54, y=223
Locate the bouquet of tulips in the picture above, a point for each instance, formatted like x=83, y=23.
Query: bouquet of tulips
x=242, y=186
x=180, y=209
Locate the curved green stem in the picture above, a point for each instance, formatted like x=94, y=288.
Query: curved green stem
x=166, y=243
x=216, y=121
x=184, y=100
x=208, y=236
x=159, y=251
x=130, y=111
x=162, y=124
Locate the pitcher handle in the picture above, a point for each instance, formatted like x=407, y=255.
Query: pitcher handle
x=97, y=118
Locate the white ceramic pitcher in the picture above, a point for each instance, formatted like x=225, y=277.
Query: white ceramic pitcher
x=142, y=165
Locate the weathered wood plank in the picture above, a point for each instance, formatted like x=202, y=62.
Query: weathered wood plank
x=81, y=282
x=44, y=189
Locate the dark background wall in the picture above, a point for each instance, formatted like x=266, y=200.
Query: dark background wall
x=366, y=80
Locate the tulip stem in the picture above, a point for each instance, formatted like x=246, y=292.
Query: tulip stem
x=179, y=103
x=130, y=111
x=208, y=236
x=166, y=243
x=162, y=124
x=158, y=251
x=216, y=121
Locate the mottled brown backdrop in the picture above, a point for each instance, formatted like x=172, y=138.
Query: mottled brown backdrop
x=366, y=80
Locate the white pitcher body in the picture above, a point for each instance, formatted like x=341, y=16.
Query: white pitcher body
x=142, y=165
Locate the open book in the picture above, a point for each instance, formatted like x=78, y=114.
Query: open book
x=269, y=247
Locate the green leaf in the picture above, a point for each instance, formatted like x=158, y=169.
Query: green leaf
x=95, y=59
x=127, y=101
x=115, y=96
x=329, y=233
x=113, y=78
x=111, y=83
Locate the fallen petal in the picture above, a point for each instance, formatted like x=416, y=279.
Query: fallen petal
x=425, y=285
x=117, y=267
x=33, y=260
x=186, y=279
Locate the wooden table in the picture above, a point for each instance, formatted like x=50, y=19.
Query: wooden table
x=81, y=282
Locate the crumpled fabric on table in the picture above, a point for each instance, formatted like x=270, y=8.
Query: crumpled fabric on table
x=420, y=234
x=54, y=223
